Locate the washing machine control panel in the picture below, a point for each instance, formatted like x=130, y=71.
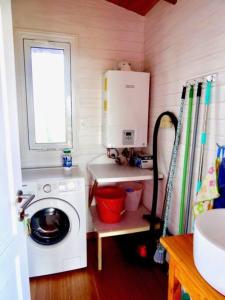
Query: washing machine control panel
x=47, y=188
x=67, y=186
x=53, y=188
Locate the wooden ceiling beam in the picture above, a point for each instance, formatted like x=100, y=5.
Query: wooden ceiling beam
x=171, y=1
x=142, y=6
x=139, y=6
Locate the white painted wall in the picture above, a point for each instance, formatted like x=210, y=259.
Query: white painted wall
x=106, y=34
x=178, y=42
x=183, y=42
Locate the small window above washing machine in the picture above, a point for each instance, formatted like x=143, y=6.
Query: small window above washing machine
x=48, y=90
x=47, y=83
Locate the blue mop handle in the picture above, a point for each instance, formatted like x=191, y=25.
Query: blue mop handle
x=204, y=135
x=199, y=185
x=207, y=102
x=208, y=92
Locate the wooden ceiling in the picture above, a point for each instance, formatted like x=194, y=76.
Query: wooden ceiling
x=141, y=7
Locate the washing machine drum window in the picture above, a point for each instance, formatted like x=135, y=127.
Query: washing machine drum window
x=49, y=226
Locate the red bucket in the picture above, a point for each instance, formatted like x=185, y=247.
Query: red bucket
x=110, y=203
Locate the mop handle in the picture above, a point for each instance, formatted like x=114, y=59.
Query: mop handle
x=192, y=157
x=172, y=169
x=203, y=135
x=186, y=158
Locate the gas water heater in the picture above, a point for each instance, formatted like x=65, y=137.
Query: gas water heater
x=125, y=109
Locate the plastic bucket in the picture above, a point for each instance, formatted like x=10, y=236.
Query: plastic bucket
x=133, y=194
x=110, y=203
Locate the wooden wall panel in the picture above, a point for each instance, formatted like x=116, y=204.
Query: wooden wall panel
x=183, y=42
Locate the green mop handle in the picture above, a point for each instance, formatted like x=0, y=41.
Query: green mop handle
x=203, y=135
x=186, y=158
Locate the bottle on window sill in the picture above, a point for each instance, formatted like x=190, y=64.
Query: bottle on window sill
x=67, y=159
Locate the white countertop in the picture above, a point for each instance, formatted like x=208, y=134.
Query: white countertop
x=108, y=173
x=37, y=174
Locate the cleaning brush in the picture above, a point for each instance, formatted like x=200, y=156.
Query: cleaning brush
x=159, y=256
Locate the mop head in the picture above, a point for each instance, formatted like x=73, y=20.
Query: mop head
x=159, y=256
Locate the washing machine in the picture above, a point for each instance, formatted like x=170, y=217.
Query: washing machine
x=57, y=217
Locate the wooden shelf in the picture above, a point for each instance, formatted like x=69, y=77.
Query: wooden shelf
x=131, y=222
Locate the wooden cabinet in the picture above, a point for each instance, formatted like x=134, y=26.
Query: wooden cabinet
x=182, y=271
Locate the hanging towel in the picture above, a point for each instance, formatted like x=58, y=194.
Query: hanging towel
x=208, y=192
x=209, y=189
x=202, y=207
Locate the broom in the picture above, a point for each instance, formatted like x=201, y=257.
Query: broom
x=186, y=159
x=159, y=256
x=192, y=157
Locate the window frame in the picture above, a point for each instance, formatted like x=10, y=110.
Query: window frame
x=66, y=47
x=42, y=158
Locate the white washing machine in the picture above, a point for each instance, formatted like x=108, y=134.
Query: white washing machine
x=57, y=216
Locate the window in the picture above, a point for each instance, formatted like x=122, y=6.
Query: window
x=48, y=94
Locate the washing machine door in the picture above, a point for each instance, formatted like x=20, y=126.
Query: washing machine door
x=52, y=220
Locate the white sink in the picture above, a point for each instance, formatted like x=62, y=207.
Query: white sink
x=209, y=247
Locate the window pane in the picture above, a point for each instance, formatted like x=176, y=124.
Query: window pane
x=49, y=95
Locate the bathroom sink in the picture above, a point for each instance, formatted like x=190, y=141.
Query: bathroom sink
x=209, y=247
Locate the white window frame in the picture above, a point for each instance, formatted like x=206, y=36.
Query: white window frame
x=52, y=156
x=28, y=44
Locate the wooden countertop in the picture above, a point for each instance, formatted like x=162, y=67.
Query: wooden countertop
x=180, y=249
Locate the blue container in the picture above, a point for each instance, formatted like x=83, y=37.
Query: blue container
x=67, y=159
